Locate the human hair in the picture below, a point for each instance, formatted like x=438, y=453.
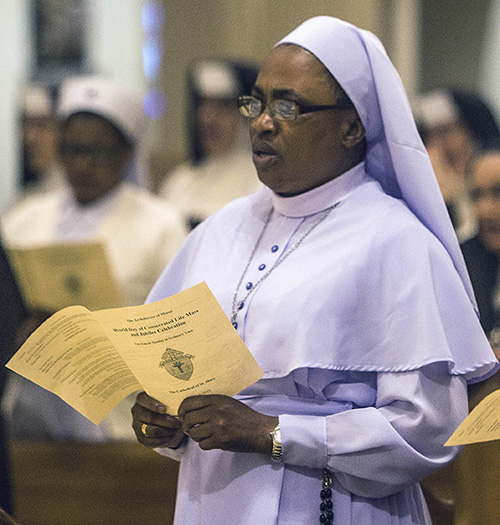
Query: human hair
x=478, y=118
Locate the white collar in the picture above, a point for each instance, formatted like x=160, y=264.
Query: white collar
x=322, y=197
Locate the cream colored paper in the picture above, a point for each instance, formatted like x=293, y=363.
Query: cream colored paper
x=180, y=346
x=55, y=276
x=482, y=424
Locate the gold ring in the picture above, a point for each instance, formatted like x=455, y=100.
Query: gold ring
x=144, y=429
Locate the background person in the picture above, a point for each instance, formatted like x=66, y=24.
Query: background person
x=220, y=167
x=455, y=125
x=470, y=483
x=101, y=128
x=482, y=251
x=39, y=126
x=345, y=280
x=12, y=314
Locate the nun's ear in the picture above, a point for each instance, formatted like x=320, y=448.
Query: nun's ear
x=353, y=131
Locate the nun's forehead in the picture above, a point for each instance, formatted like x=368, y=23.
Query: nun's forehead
x=340, y=48
x=329, y=76
x=105, y=123
x=302, y=66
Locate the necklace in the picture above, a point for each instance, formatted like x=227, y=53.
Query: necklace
x=238, y=305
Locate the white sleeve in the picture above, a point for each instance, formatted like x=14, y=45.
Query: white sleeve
x=377, y=451
x=172, y=453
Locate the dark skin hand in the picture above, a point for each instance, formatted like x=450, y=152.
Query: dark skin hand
x=213, y=421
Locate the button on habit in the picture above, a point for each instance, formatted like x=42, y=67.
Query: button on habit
x=249, y=285
x=275, y=248
x=262, y=267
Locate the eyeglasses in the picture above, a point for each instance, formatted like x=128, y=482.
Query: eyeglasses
x=287, y=110
x=97, y=154
x=492, y=192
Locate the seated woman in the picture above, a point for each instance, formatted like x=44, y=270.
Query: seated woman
x=101, y=128
x=220, y=167
x=454, y=125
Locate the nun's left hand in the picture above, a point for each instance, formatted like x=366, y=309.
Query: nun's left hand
x=221, y=422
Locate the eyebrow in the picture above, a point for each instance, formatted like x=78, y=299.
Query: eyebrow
x=288, y=94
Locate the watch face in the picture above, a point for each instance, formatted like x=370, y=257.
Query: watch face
x=276, y=453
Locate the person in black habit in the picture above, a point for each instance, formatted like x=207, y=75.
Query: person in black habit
x=12, y=314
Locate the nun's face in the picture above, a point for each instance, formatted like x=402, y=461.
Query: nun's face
x=219, y=124
x=454, y=143
x=40, y=142
x=486, y=197
x=93, y=155
x=294, y=157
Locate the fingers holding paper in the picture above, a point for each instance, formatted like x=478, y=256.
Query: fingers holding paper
x=152, y=425
x=221, y=422
x=213, y=421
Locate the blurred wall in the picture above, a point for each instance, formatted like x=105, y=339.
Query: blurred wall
x=114, y=43
x=15, y=59
x=245, y=29
x=431, y=43
x=114, y=47
x=490, y=60
x=453, y=39
x=460, y=42
x=239, y=28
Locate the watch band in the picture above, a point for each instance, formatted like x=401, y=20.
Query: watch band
x=277, y=451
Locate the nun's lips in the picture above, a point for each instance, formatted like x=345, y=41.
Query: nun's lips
x=260, y=147
x=263, y=154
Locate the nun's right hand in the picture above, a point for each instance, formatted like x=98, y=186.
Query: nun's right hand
x=152, y=425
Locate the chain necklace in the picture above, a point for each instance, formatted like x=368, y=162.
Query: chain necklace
x=238, y=305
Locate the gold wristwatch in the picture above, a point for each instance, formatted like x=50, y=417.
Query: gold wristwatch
x=277, y=452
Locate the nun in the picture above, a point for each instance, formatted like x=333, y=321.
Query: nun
x=102, y=125
x=41, y=167
x=345, y=279
x=455, y=126
x=219, y=168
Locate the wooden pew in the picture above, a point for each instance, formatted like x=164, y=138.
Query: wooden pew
x=98, y=484
x=467, y=491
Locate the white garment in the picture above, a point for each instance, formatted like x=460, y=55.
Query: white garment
x=141, y=233
x=53, y=179
x=199, y=191
x=395, y=154
x=366, y=332
x=465, y=217
x=366, y=337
